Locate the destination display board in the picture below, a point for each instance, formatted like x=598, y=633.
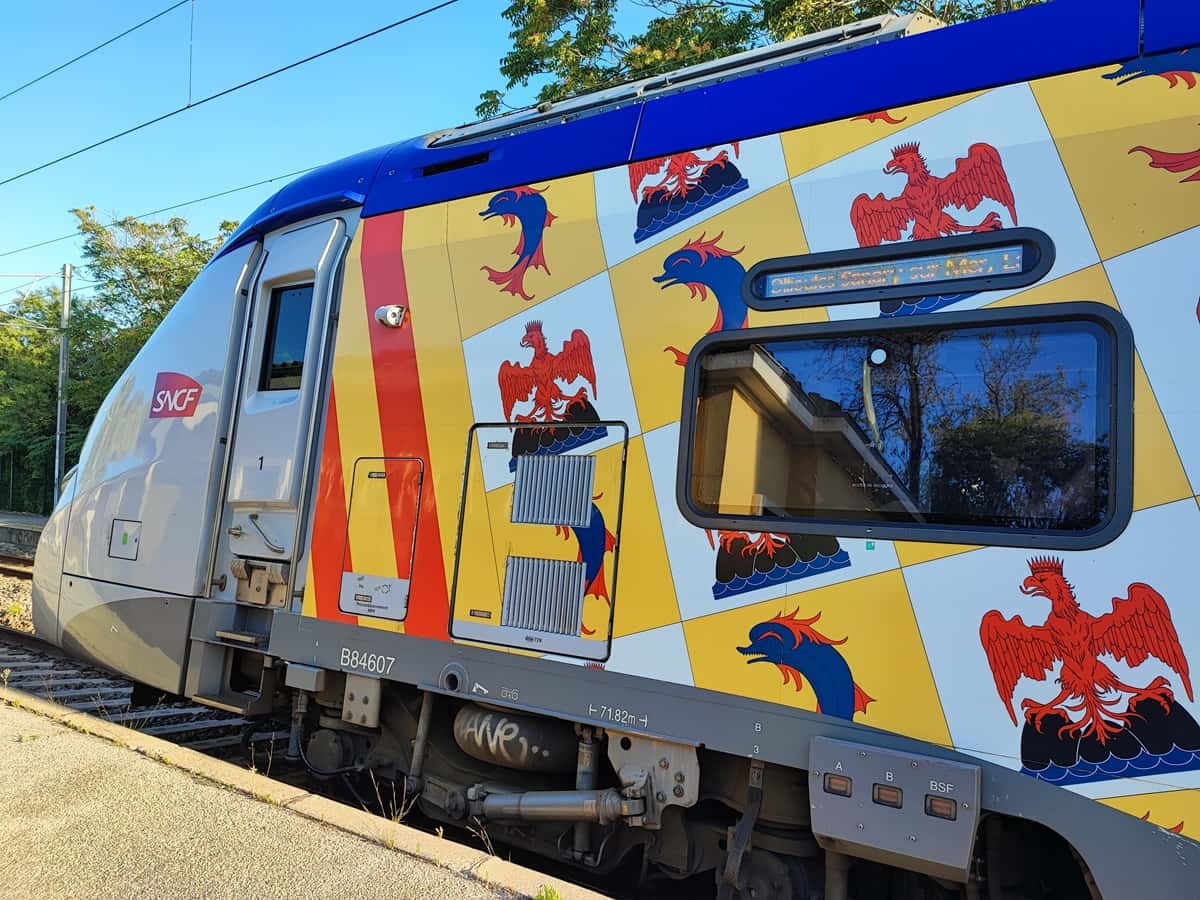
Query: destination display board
x=895, y=273
x=935, y=271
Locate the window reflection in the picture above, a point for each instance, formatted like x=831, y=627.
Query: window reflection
x=287, y=338
x=1004, y=426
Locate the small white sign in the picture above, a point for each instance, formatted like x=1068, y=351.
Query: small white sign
x=374, y=595
x=123, y=542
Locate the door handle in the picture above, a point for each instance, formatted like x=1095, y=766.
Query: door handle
x=271, y=545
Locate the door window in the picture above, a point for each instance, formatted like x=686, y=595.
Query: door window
x=287, y=336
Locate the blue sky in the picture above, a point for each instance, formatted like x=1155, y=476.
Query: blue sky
x=414, y=79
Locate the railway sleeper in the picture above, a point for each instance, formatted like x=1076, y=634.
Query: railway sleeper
x=642, y=810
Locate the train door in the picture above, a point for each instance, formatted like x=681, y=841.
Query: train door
x=260, y=521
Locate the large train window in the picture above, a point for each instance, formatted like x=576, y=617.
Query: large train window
x=287, y=336
x=1007, y=427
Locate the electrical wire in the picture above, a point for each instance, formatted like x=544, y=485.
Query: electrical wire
x=84, y=55
x=155, y=212
x=229, y=90
x=27, y=284
x=12, y=320
x=78, y=284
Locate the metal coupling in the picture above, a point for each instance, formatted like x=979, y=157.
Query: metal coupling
x=601, y=807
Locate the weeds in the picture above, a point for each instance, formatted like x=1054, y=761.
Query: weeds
x=397, y=808
x=547, y=893
x=270, y=754
x=478, y=829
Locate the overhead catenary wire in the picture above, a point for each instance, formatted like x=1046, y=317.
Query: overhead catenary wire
x=43, y=278
x=229, y=90
x=171, y=208
x=87, y=53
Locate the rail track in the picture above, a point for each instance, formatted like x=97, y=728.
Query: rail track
x=31, y=665
x=16, y=566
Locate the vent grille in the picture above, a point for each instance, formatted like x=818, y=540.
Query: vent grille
x=543, y=595
x=554, y=490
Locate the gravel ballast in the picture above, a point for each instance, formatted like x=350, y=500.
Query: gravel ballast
x=16, y=604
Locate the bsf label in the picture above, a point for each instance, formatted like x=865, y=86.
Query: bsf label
x=375, y=663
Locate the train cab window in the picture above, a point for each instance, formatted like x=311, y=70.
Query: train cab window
x=1003, y=427
x=287, y=336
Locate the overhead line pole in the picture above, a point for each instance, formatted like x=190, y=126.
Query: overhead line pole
x=60, y=428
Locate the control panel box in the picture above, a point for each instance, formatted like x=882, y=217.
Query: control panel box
x=903, y=809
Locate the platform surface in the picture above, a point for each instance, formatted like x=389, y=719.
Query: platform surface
x=83, y=817
x=21, y=521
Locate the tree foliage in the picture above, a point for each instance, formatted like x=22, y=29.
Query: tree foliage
x=134, y=272
x=568, y=47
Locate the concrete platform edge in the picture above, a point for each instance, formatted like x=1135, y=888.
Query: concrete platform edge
x=395, y=836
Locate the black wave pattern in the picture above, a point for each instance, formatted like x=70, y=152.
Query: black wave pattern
x=658, y=212
x=740, y=569
x=915, y=306
x=1156, y=741
x=559, y=438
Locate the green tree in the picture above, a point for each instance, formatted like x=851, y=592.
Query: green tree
x=135, y=272
x=1013, y=448
x=140, y=270
x=569, y=47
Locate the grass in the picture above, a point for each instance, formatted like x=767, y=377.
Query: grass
x=395, y=808
x=547, y=893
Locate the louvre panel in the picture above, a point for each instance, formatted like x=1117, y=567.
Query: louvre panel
x=543, y=595
x=553, y=490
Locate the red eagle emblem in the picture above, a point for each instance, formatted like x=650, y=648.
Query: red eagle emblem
x=1138, y=627
x=769, y=543
x=676, y=174
x=540, y=380
x=923, y=202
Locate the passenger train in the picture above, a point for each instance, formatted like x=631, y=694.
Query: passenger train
x=781, y=474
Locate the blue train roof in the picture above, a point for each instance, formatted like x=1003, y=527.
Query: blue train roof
x=886, y=62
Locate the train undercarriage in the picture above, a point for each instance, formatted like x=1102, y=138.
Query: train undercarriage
x=645, y=816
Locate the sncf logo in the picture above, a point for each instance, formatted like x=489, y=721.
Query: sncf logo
x=175, y=396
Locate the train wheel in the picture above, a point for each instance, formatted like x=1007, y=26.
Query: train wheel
x=764, y=876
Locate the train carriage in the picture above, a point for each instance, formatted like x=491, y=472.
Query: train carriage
x=781, y=472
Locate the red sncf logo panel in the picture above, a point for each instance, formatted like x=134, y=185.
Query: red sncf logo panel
x=175, y=396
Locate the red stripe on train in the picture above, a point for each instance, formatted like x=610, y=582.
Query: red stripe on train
x=329, y=523
x=402, y=420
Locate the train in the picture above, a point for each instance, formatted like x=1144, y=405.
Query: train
x=776, y=476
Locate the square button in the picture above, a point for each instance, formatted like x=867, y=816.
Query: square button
x=841, y=785
x=886, y=795
x=941, y=807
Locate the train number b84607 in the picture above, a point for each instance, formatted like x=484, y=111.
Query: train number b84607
x=375, y=663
